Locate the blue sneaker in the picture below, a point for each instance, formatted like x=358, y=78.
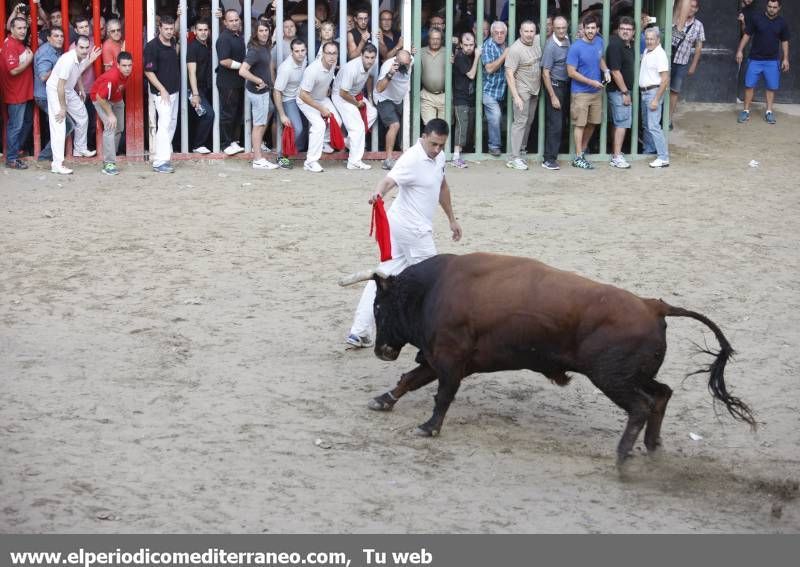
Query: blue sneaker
x=744, y=116
x=769, y=117
x=164, y=168
x=358, y=342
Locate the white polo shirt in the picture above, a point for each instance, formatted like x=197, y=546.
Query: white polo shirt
x=68, y=68
x=288, y=78
x=397, y=88
x=317, y=79
x=351, y=77
x=653, y=63
x=420, y=180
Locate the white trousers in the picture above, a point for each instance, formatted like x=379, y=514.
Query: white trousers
x=318, y=131
x=409, y=247
x=355, y=125
x=167, y=112
x=58, y=132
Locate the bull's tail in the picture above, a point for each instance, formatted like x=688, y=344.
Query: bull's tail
x=716, y=370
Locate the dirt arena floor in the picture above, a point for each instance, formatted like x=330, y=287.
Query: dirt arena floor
x=172, y=356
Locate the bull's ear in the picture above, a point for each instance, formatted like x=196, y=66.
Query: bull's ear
x=383, y=283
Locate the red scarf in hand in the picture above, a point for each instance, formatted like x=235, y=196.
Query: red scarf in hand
x=289, y=148
x=337, y=140
x=380, y=225
x=363, y=111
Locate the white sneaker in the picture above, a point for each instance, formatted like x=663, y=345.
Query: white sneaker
x=517, y=163
x=202, y=150
x=263, y=163
x=265, y=148
x=327, y=149
x=358, y=165
x=60, y=169
x=233, y=149
x=313, y=166
x=659, y=163
x=620, y=162
x=84, y=153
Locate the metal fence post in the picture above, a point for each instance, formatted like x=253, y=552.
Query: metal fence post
x=214, y=65
x=479, y=81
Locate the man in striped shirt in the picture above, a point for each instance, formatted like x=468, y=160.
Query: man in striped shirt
x=493, y=57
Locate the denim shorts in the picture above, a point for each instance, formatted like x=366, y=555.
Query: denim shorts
x=259, y=107
x=771, y=71
x=621, y=115
x=676, y=76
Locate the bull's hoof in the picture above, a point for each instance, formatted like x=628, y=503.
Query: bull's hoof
x=424, y=431
x=382, y=403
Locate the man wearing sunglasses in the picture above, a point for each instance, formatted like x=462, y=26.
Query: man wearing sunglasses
x=112, y=46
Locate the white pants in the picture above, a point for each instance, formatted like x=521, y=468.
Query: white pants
x=355, y=125
x=409, y=247
x=58, y=132
x=167, y=112
x=318, y=131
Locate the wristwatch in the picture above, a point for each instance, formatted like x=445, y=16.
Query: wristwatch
x=625, y=93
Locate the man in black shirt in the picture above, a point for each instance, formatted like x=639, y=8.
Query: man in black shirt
x=198, y=63
x=620, y=60
x=162, y=69
x=465, y=67
x=230, y=53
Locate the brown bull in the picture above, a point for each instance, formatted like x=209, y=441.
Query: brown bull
x=487, y=313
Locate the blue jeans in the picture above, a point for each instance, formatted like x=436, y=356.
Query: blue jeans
x=47, y=152
x=652, y=136
x=494, y=116
x=297, y=119
x=20, y=118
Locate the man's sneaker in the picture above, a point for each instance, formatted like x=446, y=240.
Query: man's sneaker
x=358, y=342
x=164, y=168
x=327, y=149
x=459, y=163
x=619, y=161
x=201, y=150
x=17, y=164
x=233, y=149
x=358, y=165
x=551, y=164
x=264, y=148
x=658, y=162
x=285, y=163
x=494, y=152
x=387, y=164
x=517, y=163
x=84, y=153
x=744, y=116
x=264, y=163
x=313, y=167
x=769, y=116
x=110, y=169
x=582, y=163
x=60, y=169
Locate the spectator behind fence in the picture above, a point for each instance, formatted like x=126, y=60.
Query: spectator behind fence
x=313, y=101
x=690, y=37
x=327, y=32
x=770, y=34
x=347, y=99
x=230, y=54
x=389, y=39
x=493, y=57
x=523, y=75
x=62, y=99
x=287, y=83
x=586, y=67
x=83, y=27
x=394, y=82
x=465, y=68
x=16, y=80
x=257, y=72
x=620, y=59
x=435, y=22
x=162, y=69
x=43, y=62
x=653, y=81
x=359, y=36
x=114, y=45
x=433, y=60
x=556, y=82
x=198, y=65
x=289, y=33
x=108, y=94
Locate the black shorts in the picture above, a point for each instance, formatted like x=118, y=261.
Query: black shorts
x=390, y=112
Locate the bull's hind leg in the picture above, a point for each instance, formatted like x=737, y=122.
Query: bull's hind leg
x=417, y=378
x=635, y=402
x=448, y=386
x=660, y=393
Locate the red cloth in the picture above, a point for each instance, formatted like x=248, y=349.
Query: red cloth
x=380, y=226
x=363, y=111
x=289, y=148
x=16, y=89
x=109, y=86
x=337, y=140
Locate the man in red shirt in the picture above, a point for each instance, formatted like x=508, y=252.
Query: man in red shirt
x=16, y=84
x=114, y=45
x=108, y=95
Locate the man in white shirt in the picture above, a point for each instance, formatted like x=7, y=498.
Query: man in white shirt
x=62, y=100
x=287, y=85
x=419, y=174
x=394, y=81
x=653, y=82
x=312, y=98
x=347, y=86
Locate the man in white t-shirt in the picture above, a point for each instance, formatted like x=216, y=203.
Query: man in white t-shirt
x=313, y=101
x=653, y=82
x=347, y=86
x=419, y=174
x=394, y=82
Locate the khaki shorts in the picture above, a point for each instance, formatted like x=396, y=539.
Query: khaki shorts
x=586, y=108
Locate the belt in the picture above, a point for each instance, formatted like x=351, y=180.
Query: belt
x=558, y=83
x=650, y=88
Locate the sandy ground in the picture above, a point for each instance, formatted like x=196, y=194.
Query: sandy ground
x=171, y=351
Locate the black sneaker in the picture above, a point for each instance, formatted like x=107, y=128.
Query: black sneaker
x=17, y=164
x=551, y=164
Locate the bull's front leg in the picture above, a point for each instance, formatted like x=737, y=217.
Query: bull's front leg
x=417, y=378
x=448, y=386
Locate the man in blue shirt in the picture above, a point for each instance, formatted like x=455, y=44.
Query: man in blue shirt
x=43, y=63
x=493, y=57
x=770, y=35
x=586, y=67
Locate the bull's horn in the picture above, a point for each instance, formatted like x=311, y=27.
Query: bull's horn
x=356, y=277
